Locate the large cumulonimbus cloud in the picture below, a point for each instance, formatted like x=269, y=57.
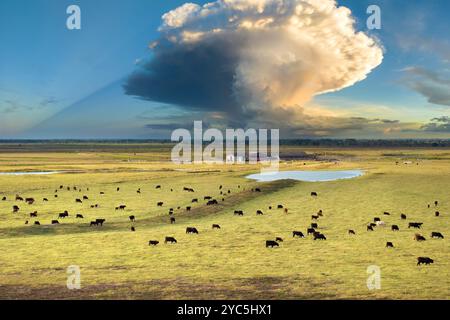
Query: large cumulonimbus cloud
x=253, y=55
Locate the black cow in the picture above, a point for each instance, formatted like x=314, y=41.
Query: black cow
x=160, y=204
x=4, y=199
x=188, y=208
x=436, y=203
x=369, y=228
x=395, y=227
x=437, y=235
x=298, y=234
x=33, y=214
x=85, y=198
x=118, y=189
x=172, y=220
x=313, y=194
x=132, y=218
x=424, y=260
x=238, y=212
x=376, y=219
x=271, y=244
x=314, y=217
x=29, y=200
x=215, y=226
x=100, y=221
x=351, y=232
x=270, y=207
x=45, y=199
x=389, y=245
x=280, y=206
x=153, y=242
x=194, y=200
x=436, y=214
x=37, y=223
x=211, y=202
x=259, y=213
x=158, y=187
x=256, y=190
x=419, y=237
x=386, y=213
x=93, y=223
x=416, y=225
x=19, y=198
x=310, y=231
x=121, y=207
x=191, y=230
x=403, y=216
x=278, y=239
x=170, y=240
x=319, y=236
x=55, y=222
x=63, y=215
x=78, y=201
x=133, y=229
x=314, y=225
x=16, y=209
x=79, y=216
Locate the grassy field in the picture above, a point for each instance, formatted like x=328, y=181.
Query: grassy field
x=233, y=262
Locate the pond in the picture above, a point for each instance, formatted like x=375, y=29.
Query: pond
x=24, y=173
x=309, y=176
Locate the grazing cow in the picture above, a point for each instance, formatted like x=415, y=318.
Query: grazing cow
x=55, y=222
x=369, y=228
x=4, y=199
x=191, y=230
x=298, y=234
x=132, y=218
x=389, y=245
x=259, y=213
x=215, y=226
x=207, y=198
x=314, y=225
x=419, y=237
x=102, y=193
x=403, y=216
x=424, y=260
x=437, y=235
x=314, y=217
x=29, y=200
x=121, y=207
x=280, y=206
x=271, y=244
x=211, y=202
x=133, y=229
x=63, y=215
x=436, y=214
x=16, y=209
x=170, y=240
x=45, y=199
x=256, y=190
x=172, y=220
x=310, y=231
x=188, y=208
x=158, y=187
x=37, y=223
x=386, y=213
x=373, y=225
x=395, y=227
x=18, y=198
x=78, y=201
x=351, y=232
x=160, y=204
x=278, y=239
x=100, y=221
x=313, y=194
x=194, y=200
x=238, y=212
x=153, y=242
x=33, y=214
x=79, y=216
x=376, y=219
x=319, y=236
x=415, y=225
x=93, y=223
x=85, y=198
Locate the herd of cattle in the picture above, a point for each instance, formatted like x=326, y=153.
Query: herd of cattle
x=312, y=230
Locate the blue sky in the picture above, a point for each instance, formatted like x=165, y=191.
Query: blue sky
x=60, y=83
